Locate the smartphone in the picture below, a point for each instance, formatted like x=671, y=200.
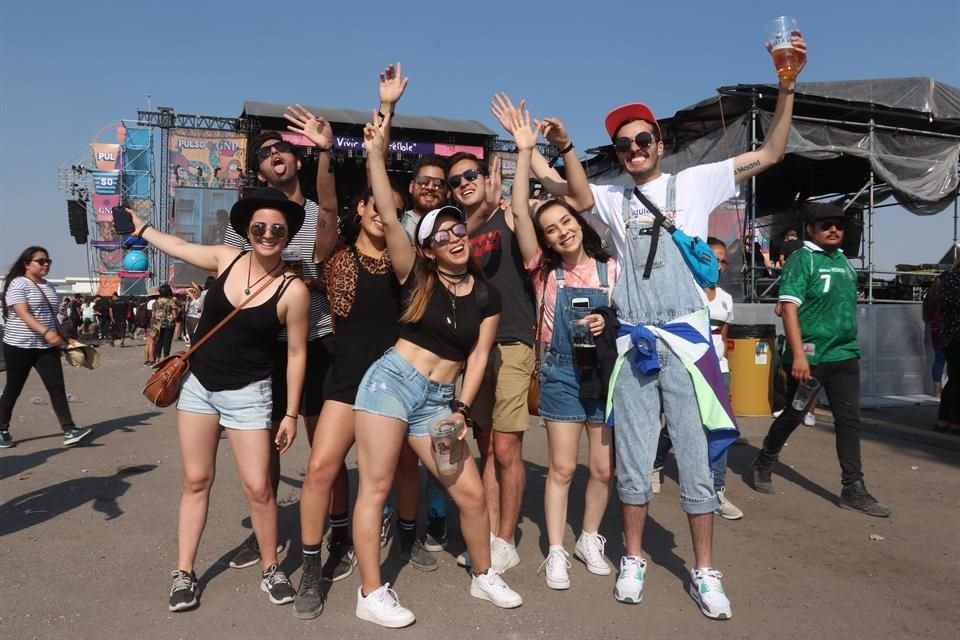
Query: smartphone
x=122, y=221
x=581, y=304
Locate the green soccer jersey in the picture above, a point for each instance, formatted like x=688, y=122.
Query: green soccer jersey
x=824, y=287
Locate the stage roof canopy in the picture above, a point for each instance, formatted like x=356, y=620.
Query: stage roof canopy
x=913, y=145
x=349, y=116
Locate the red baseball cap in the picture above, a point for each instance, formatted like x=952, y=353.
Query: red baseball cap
x=632, y=111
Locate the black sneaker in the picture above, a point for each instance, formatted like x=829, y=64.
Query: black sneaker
x=340, y=561
x=6, y=440
x=185, y=592
x=855, y=496
x=763, y=476
x=310, y=597
x=386, y=527
x=436, y=537
x=75, y=435
x=276, y=584
x=412, y=551
x=247, y=555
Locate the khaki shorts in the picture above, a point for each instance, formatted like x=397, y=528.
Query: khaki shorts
x=502, y=398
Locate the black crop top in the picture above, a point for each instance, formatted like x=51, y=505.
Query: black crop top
x=450, y=329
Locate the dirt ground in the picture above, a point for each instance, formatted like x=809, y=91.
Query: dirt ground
x=88, y=539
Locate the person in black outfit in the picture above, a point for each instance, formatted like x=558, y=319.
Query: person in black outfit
x=119, y=310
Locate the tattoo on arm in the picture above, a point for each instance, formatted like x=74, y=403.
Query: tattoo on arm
x=321, y=223
x=747, y=167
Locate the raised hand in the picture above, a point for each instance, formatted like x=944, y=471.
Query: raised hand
x=799, y=44
x=503, y=110
x=555, y=132
x=392, y=84
x=373, y=140
x=314, y=128
x=494, y=185
x=138, y=222
x=524, y=134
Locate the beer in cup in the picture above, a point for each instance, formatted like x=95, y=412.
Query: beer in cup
x=786, y=59
x=446, y=445
x=291, y=256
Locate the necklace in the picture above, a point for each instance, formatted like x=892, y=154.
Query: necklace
x=453, y=277
x=246, y=291
x=455, y=280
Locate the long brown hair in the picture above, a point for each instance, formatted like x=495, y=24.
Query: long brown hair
x=426, y=280
x=17, y=269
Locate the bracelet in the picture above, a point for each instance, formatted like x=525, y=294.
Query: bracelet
x=287, y=415
x=460, y=407
x=146, y=226
x=567, y=149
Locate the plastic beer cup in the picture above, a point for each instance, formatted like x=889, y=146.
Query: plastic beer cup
x=445, y=445
x=806, y=391
x=786, y=59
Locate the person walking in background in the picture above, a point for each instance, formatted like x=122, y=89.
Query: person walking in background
x=162, y=322
x=948, y=304
x=818, y=292
x=32, y=340
x=119, y=310
x=933, y=316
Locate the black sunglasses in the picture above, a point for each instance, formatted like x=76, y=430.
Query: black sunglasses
x=643, y=139
x=427, y=181
x=281, y=146
x=42, y=261
x=470, y=175
x=259, y=229
x=442, y=237
x=826, y=225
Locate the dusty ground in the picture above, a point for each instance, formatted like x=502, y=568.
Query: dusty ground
x=87, y=541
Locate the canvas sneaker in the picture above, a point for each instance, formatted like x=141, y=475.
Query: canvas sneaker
x=248, y=553
x=75, y=435
x=629, y=587
x=763, y=476
x=308, y=603
x=382, y=607
x=276, y=584
x=855, y=496
x=491, y=587
x=503, y=555
x=727, y=510
x=185, y=591
x=412, y=551
x=6, y=440
x=436, y=537
x=589, y=549
x=809, y=419
x=341, y=560
x=556, y=568
x=707, y=592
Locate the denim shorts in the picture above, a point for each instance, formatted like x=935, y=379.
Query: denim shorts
x=394, y=389
x=247, y=408
x=560, y=392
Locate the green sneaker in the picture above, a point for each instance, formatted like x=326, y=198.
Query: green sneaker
x=75, y=435
x=6, y=440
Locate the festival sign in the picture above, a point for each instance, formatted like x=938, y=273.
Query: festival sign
x=103, y=206
x=106, y=183
x=206, y=159
x=106, y=156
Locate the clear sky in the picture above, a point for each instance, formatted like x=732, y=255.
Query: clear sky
x=69, y=68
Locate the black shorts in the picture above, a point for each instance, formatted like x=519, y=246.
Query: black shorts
x=318, y=361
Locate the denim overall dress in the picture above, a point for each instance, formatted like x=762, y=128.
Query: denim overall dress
x=669, y=293
x=559, y=378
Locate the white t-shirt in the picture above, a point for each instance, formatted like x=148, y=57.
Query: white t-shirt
x=700, y=190
x=721, y=311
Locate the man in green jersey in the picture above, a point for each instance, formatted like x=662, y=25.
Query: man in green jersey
x=818, y=296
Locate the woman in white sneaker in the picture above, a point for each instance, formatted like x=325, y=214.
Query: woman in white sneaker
x=449, y=323
x=572, y=274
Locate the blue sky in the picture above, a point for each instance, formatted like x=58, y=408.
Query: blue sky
x=68, y=69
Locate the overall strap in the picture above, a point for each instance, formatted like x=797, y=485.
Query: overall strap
x=627, y=192
x=558, y=274
x=672, y=193
x=602, y=273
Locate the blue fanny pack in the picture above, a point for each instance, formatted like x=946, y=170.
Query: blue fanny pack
x=695, y=251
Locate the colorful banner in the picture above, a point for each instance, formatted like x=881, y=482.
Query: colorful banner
x=206, y=159
x=102, y=206
x=106, y=183
x=350, y=143
x=106, y=156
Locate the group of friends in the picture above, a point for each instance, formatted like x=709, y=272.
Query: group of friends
x=396, y=320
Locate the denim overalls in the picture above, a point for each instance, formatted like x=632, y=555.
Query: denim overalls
x=670, y=293
x=559, y=379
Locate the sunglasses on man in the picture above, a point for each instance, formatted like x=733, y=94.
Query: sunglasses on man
x=443, y=237
x=643, y=139
x=281, y=146
x=470, y=175
x=826, y=225
x=427, y=181
x=277, y=230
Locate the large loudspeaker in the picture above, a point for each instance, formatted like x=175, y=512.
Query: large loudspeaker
x=77, y=218
x=852, y=234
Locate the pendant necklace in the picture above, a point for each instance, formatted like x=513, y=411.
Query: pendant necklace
x=454, y=279
x=246, y=291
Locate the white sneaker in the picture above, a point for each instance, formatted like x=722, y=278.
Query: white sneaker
x=810, y=419
x=727, y=510
x=556, y=565
x=629, y=587
x=490, y=586
x=706, y=590
x=503, y=555
x=463, y=560
x=656, y=480
x=590, y=548
x=382, y=607
x=776, y=414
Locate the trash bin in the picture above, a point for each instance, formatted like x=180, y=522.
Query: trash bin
x=750, y=350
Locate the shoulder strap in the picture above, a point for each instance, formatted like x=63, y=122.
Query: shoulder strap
x=53, y=312
x=672, y=193
x=626, y=205
x=230, y=315
x=558, y=274
x=602, y=273
x=666, y=224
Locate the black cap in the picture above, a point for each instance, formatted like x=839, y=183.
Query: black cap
x=813, y=211
x=266, y=198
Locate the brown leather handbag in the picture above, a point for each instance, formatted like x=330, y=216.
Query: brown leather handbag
x=163, y=386
x=533, y=390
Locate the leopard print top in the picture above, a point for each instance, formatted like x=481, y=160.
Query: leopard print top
x=339, y=275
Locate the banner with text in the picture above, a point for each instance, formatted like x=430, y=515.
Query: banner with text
x=206, y=159
x=106, y=156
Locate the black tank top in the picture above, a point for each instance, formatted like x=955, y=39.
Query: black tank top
x=242, y=351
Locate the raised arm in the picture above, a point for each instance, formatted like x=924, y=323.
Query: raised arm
x=503, y=110
x=398, y=242
x=205, y=257
x=578, y=192
x=525, y=137
x=320, y=133
x=392, y=86
x=747, y=165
